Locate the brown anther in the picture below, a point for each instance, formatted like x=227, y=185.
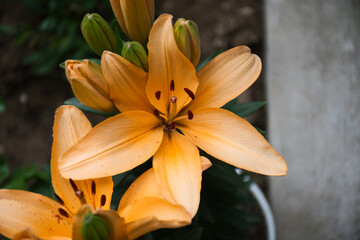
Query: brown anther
x=59, y=199
x=190, y=115
x=173, y=99
x=190, y=93
x=157, y=95
x=172, y=85
x=172, y=126
x=79, y=194
x=73, y=185
x=102, y=200
x=93, y=187
x=156, y=113
x=63, y=212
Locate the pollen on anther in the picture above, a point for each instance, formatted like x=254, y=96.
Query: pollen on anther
x=63, y=212
x=73, y=185
x=172, y=126
x=173, y=99
x=93, y=187
x=59, y=199
x=190, y=93
x=103, y=200
x=172, y=85
x=158, y=95
x=190, y=115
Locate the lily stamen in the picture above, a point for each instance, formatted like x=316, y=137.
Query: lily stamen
x=63, y=212
x=173, y=108
x=190, y=93
x=158, y=95
x=59, y=199
x=172, y=85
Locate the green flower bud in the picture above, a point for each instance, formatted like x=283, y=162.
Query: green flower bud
x=98, y=33
x=135, y=53
x=94, y=228
x=188, y=39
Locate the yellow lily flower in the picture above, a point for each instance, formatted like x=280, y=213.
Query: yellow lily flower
x=168, y=99
x=142, y=209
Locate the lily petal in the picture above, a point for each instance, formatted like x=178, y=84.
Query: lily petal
x=127, y=83
x=116, y=145
x=232, y=139
x=70, y=125
x=26, y=210
x=226, y=77
x=167, y=63
x=143, y=186
x=205, y=163
x=177, y=168
x=148, y=214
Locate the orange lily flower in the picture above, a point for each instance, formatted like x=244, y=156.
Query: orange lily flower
x=168, y=99
x=142, y=209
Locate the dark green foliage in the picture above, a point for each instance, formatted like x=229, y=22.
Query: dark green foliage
x=243, y=109
x=55, y=35
x=28, y=178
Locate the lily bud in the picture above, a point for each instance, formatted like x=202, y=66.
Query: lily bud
x=188, y=39
x=94, y=228
x=135, y=53
x=89, y=85
x=98, y=33
x=135, y=17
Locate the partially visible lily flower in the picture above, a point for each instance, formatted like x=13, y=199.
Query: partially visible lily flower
x=135, y=17
x=170, y=111
x=89, y=85
x=26, y=215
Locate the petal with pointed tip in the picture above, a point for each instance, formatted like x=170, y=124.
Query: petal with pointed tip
x=70, y=125
x=26, y=210
x=116, y=145
x=177, y=168
x=232, y=139
x=167, y=63
x=226, y=77
x=127, y=83
x=148, y=214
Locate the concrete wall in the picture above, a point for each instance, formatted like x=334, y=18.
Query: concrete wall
x=313, y=90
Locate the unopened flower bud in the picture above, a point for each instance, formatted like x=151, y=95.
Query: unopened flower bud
x=98, y=33
x=89, y=84
x=135, y=53
x=135, y=17
x=188, y=39
x=94, y=228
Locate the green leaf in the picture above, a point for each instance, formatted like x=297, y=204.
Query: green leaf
x=4, y=169
x=75, y=102
x=95, y=60
x=19, y=176
x=208, y=59
x=7, y=29
x=2, y=105
x=244, y=109
x=195, y=234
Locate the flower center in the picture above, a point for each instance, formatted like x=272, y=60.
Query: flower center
x=80, y=195
x=169, y=120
